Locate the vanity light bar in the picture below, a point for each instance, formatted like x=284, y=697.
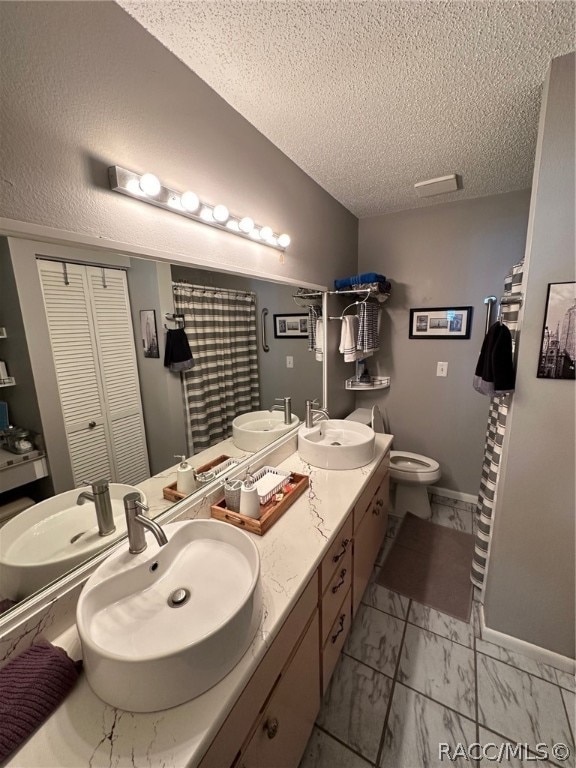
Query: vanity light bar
x=147, y=187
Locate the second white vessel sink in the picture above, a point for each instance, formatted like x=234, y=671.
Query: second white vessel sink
x=257, y=429
x=160, y=628
x=336, y=444
x=48, y=539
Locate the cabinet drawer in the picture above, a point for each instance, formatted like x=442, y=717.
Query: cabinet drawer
x=335, y=640
x=332, y=599
x=286, y=724
x=372, y=486
x=337, y=552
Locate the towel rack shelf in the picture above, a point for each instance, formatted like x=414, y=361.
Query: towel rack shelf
x=376, y=382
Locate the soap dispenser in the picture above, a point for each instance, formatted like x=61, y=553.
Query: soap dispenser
x=185, y=476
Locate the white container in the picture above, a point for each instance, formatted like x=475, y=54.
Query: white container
x=249, y=501
x=185, y=477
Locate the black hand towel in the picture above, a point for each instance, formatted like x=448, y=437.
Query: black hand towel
x=494, y=373
x=177, y=355
x=32, y=685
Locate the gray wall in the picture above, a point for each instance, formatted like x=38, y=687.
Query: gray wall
x=150, y=287
x=85, y=87
x=530, y=585
x=22, y=402
x=450, y=254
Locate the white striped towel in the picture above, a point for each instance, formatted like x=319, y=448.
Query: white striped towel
x=313, y=315
x=319, y=348
x=348, y=339
x=369, y=329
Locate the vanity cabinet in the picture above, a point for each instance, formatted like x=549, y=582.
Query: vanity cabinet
x=273, y=718
x=285, y=725
x=335, y=575
x=370, y=521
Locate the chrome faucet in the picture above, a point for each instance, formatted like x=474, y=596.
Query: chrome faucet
x=285, y=404
x=137, y=524
x=101, y=497
x=321, y=413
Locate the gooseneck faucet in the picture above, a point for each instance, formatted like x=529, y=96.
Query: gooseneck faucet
x=137, y=524
x=284, y=404
x=101, y=497
x=321, y=413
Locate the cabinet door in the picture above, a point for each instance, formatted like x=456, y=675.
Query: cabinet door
x=75, y=355
x=90, y=328
x=286, y=724
x=114, y=336
x=368, y=539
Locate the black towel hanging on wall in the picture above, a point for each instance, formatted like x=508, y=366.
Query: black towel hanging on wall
x=177, y=355
x=495, y=373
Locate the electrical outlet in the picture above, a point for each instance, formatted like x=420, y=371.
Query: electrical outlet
x=442, y=369
x=289, y=361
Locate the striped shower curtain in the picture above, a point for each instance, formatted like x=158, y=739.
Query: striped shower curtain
x=496, y=429
x=220, y=326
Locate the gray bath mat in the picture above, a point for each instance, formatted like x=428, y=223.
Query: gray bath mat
x=431, y=564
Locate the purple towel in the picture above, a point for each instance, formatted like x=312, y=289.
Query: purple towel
x=32, y=685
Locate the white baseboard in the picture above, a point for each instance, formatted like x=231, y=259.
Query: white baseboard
x=543, y=655
x=450, y=494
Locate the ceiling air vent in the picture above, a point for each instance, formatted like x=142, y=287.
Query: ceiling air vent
x=438, y=186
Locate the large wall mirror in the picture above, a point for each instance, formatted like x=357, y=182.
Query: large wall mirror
x=50, y=294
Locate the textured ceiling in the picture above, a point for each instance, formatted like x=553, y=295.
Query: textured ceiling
x=370, y=97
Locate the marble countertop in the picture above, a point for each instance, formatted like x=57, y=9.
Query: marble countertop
x=86, y=732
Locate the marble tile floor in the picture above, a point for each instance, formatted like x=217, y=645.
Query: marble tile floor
x=411, y=679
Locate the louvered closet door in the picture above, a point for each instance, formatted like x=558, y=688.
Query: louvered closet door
x=119, y=372
x=75, y=357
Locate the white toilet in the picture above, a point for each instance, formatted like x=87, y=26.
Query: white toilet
x=410, y=472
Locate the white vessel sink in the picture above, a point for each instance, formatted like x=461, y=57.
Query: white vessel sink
x=257, y=429
x=50, y=538
x=143, y=654
x=336, y=444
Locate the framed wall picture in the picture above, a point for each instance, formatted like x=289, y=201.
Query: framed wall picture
x=440, y=323
x=557, y=357
x=290, y=326
x=148, y=333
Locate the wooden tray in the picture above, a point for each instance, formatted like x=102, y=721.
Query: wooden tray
x=171, y=494
x=271, y=512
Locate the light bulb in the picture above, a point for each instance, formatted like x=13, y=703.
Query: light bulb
x=206, y=214
x=272, y=241
x=266, y=233
x=150, y=184
x=190, y=201
x=221, y=213
x=133, y=186
x=246, y=224
x=233, y=225
x=284, y=241
x=255, y=234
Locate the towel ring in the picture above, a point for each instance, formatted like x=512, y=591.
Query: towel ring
x=173, y=318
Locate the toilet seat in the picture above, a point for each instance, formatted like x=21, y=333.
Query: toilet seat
x=409, y=467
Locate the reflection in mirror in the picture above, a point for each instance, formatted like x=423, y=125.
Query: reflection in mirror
x=83, y=336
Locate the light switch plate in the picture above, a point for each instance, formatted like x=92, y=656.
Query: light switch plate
x=442, y=369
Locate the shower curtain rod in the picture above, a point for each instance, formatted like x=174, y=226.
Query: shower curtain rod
x=215, y=289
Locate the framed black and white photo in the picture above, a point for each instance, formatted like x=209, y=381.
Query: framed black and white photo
x=558, y=346
x=290, y=326
x=148, y=333
x=440, y=323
